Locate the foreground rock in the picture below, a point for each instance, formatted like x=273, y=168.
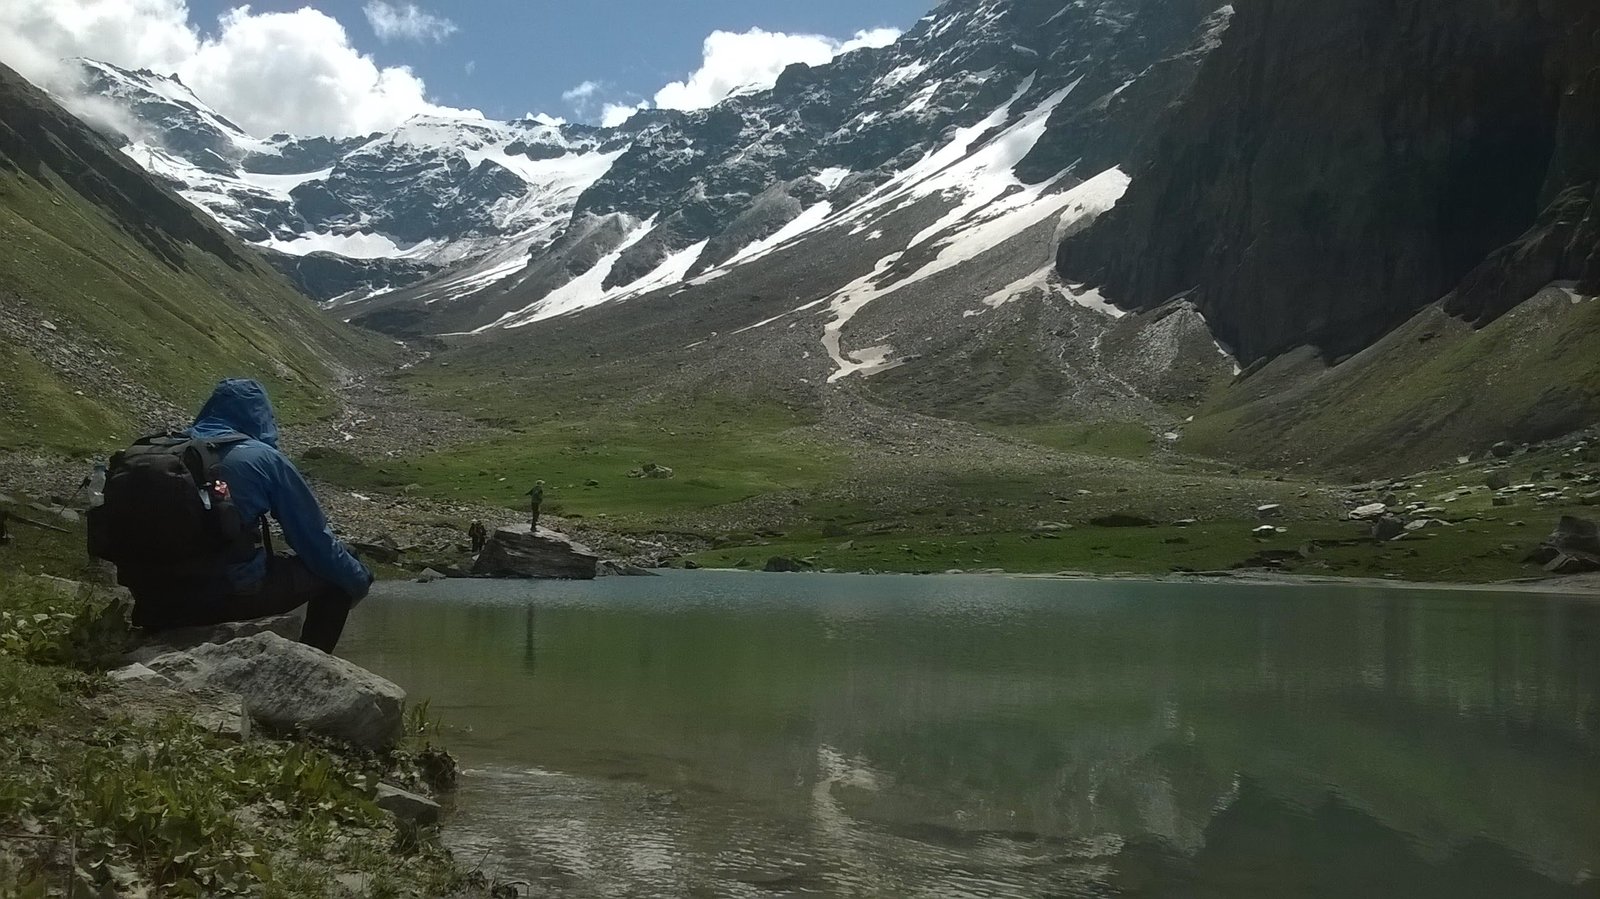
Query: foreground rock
x=289, y=686
x=159, y=643
x=149, y=697
x=1573, y=548
x=517, y=552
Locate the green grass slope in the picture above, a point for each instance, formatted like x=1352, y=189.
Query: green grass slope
x=1434, y=389
x=118, y=299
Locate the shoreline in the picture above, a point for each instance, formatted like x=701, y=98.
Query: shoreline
x=1578, y=586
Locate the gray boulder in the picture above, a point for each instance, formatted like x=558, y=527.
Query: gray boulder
x=518, y=552
x=146, y=696
x=784, y=564
x=1497, y=480
x=1388, y=528
x=159, y=643
x=1369, y=511
x=1572, y=548
x=651, y=470
x=407, y=806
x=289, y=686
x=1579, y=564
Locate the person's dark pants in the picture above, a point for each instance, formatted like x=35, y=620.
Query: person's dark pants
x=289, y=584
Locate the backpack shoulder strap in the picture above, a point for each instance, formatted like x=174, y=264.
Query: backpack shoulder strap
x=206, y=449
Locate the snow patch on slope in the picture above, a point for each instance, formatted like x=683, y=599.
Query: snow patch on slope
x=979, y=232
x=588, y=289
x=799, y=226
x=359, y=245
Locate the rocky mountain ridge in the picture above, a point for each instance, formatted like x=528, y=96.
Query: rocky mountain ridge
x=1023, y=210
x=516, y=212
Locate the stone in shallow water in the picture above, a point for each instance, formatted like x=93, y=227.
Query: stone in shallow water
x=517, y=552
x=407, y=806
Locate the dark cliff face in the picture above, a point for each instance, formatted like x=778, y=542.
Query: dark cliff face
x=1339, y=165
x=37, y=135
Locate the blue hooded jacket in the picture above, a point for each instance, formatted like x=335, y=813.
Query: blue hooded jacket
x=262, y=480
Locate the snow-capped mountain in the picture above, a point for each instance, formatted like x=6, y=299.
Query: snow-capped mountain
x=394, y=205
x=998, y=114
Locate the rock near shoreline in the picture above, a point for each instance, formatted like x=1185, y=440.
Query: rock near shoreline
x=519, y=551
x=291, y=687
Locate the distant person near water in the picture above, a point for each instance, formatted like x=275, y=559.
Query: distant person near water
x=479, y=535
x=535, y=500
x=184, y=519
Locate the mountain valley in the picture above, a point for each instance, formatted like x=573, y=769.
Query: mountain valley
x=1033, y=264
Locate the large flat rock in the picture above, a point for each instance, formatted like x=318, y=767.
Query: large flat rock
x=159, y=643
x=289, y=686
x=518, y=552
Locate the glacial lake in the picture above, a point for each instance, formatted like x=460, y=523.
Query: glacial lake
x=734, y=734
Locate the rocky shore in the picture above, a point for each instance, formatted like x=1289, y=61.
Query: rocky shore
x=207, y=761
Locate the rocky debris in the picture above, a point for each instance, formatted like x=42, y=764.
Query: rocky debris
x=784, y=564
x=518, y=552
x=159, y=643
x=614, y=568
x=1572, y=548
x=289, y=687
x=1388, y=527
x=384, y=550
x=651, y=470
x=1121, y=520
x=429, y=575
x=1497, y=480
x=407, y=806
x=86, y=364
x=1265, y=530
x=1269, y=511
x=1369, y=512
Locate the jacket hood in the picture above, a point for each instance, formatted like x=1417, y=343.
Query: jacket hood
x=238, y=406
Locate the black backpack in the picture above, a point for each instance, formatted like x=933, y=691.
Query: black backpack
x=166, y=513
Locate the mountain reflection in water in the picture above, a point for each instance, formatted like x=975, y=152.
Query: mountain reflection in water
x=747, y=735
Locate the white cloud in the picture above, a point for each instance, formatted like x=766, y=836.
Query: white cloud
x=471, y=67
x=614, y=114
x=870, y=38
x=581, y=93
x=732, y=61
x=406, y=21
x=294, y=71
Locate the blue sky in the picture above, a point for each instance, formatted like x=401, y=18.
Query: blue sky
x=524, y=54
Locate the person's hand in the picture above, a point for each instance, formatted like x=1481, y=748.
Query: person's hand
x=367, y=569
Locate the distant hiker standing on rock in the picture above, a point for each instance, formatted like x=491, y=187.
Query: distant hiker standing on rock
x=535, y=500
x=184, y=520
x=479, y=535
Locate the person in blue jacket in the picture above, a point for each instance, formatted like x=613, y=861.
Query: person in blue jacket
x=321, y=575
